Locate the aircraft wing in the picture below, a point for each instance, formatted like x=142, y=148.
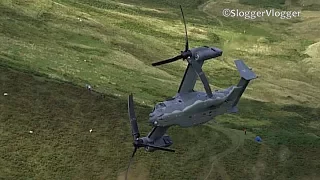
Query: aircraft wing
x=189, y=79
x=157, y=132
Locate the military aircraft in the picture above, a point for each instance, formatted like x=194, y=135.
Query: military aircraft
x=189, y=107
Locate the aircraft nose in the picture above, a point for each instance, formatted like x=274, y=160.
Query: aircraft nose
x=153, y=119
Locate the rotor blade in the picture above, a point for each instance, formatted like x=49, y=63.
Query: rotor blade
x=134, y=151
x=161, y=148
x=185, y=29
x=203, y=77
x=167, y=61
x=132, y=118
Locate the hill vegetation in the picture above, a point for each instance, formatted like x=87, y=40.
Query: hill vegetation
x=51, y=48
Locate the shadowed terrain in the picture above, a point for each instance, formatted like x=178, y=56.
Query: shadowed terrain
x=51, y=49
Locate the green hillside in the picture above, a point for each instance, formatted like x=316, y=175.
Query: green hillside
x=51, y=49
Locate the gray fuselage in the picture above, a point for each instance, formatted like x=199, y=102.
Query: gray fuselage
x=189, y=107
x=192, y=108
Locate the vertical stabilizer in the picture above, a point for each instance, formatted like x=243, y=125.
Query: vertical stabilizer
x=246, y=76
x=244, y=71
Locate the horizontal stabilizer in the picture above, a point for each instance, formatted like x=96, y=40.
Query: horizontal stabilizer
x=244, y=71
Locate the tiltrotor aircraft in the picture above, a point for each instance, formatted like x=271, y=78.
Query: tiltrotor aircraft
x=189, y=107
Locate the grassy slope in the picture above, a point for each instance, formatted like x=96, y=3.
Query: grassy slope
x=61, y=146
x=110, y=47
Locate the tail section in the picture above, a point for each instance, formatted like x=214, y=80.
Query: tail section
x=244, y=71
x=246, y=76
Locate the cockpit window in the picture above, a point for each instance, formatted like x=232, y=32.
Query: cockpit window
x=170, y=99
x=160, y=105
